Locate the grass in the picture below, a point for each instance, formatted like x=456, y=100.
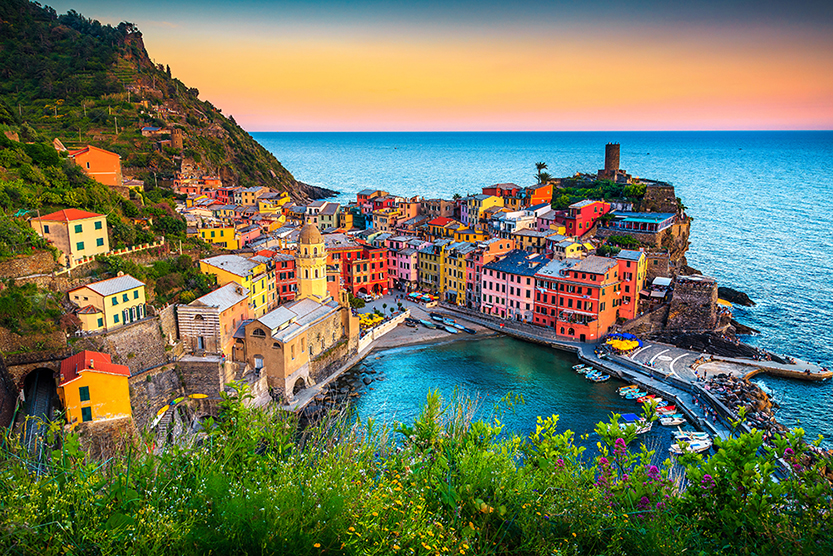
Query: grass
x=256, y=484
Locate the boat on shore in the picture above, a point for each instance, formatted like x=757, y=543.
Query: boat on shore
x=428, y=324
x=451, y=329
x=672, y=420
x=579, y=366
x=667, y=410
x=634, y=395
x=464, y=328
x=601, y=377
x=695, y=446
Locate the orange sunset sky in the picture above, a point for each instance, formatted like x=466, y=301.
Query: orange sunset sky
x=464, y=65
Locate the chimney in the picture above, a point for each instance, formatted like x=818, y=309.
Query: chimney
x=92, y=363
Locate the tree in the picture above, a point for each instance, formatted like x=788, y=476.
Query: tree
x=542, y=176
x=456, y=196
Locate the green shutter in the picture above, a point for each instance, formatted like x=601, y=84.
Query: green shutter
x=86, y=414
x=84, y=393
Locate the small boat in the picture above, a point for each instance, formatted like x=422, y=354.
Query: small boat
x=634, y=395
x=629, y=387
x=428, y=324
x=448, y=321
x=584, y=370
x=600, y=378
x=692, y=435
x=638, y=422
x=671, y=420
x=579, y=366
x=464, y=328
x=437, y=317
x=410, y=324
x=667, y=410
x=695, y=446
x=451, y=329
x=646, y=397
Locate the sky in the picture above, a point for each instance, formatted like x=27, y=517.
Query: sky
x=486, y=65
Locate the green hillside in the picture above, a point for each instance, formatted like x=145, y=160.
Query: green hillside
x=74, y=79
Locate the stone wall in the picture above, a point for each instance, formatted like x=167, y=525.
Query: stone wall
x=650, y=323
x=326, y=363
x=139, y=345
x=8, y=395
x=693, y=305
x=105, y=439
x=167, y=320
x=658, y=264
x=39, y=262
x=10, y=342
x=659, y=198
x=151, y=390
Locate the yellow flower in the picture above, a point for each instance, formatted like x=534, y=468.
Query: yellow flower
x=350, y=529
x=574, y=534
x=317, y=545
x=396, y=547
x=374, y=514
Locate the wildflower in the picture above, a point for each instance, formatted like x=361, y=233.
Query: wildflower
x=789, y=452
x=620, y=442
x=559, y=462
x=603, y=461
x=317, y=545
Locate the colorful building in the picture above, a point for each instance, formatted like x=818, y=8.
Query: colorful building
x=579, y=218
x=311, y=262
x=508, y=285
x=102, y=166
x=77, y=233
x=93, y=388
x=455, y=261
x=633, y=270
x=486, y=252
x=253, y=275
x=208, y=323
x=578, y=298
x=475, y=206
x=108, y=304
x=226, y=237
x=532, y=240
x=431, y=260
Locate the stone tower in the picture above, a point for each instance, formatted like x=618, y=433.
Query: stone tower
x=311, y=262
x=177, y=138
x=611, y=158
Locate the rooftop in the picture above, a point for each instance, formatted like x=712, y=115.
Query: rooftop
x=649, y=217
x=73, y=366
x=237, y=265
x=223, y=298
x=630, y=255
x=113, y=285
x=68, y=215
x=518, y=262
x=595, y=265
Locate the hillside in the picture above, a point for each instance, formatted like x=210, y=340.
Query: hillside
x=71, y=78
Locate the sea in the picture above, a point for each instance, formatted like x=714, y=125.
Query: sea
x=760, y=201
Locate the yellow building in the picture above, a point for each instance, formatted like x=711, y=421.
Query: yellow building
x=93, y=388
x=477, y=205
x=192, y=199
x=384, y=220
x=226, y=237
x=271, y=203
x=311, y=263
x=454, y=263
x=470, y=236
x=251, y=274
x=77, y=233
x=431, y=261
x=109, y=304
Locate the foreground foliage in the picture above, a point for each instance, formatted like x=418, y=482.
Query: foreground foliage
x=443, y=485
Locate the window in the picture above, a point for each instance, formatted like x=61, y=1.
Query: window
x=78, y=228
x=84, y=393
x=135, y=294
x=98, y=225
x=79, y=246
x=86, y=414
x=116, y=318
x=115, y=301
x=100, y=323
x=99, y=242
x=259, y=332
x=46, y=229
x=124, y=297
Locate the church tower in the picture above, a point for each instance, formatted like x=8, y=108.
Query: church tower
x=311, y=264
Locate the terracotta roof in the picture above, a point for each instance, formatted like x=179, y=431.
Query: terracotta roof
x=72, y=367
x=439, y=221
x=88, y=148
x=67, y=215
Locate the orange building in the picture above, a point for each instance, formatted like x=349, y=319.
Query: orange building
x=93, y=388
x=103, y=166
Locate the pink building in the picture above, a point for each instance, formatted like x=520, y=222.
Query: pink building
x=486, y=252
x=403, y=261
x=508, y=285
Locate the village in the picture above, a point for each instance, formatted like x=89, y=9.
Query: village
x=287, y=311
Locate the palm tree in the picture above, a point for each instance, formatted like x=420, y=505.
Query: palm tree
x=541, y=175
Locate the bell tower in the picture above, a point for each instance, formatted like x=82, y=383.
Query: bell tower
x=311, y=263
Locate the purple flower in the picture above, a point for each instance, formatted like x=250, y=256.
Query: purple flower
x=620, y=442
x=653, y=470
x=788, y=452
x=559, y=462
x=603, y=461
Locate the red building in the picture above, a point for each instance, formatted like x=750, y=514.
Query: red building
x=580, y=217
x=537, y=194
x=578, y=298
x=503, y=190
x=363, y=268
x=286, y=279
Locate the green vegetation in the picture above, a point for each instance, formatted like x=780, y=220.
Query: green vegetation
x=626, y=242
x=252, y=484
x=355, y=302
x=18, y=238
x=169, y=279
x=72, y=78
x=28, y=309
x=573, y=190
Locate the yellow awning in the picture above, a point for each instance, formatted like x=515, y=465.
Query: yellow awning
x=724, y=303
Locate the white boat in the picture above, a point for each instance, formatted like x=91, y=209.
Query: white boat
x=451, y=329
x=671, y=420
x=579, y=366
x=695, y=446
x=600, y=378
x=692, y=436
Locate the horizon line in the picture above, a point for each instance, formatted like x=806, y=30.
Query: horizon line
x=545, y=131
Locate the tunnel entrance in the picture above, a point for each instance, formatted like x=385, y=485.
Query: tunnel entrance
x=37, y=410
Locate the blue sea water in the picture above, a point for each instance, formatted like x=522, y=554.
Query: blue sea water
x=760, y=203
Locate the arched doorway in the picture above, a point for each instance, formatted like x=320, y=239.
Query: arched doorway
x=300, y=385
x=377, y=288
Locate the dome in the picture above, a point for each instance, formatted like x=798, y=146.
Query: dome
x=310, y=234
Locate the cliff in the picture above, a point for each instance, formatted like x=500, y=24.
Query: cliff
x=71, y=78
